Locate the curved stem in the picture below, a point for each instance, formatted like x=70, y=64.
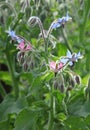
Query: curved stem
x=41, y=28
x=9, y=6
x=45, y=39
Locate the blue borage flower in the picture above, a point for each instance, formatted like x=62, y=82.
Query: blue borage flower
x=13, y=36
x=60, y=21
x=71, y=58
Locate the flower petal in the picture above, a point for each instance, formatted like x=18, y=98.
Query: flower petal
x=69, y=55
x=64, y=61
x=52, y=65
x=70, y=63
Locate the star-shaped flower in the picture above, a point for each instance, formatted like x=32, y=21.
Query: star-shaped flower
x=13, y=36
x=11, y=33
x=71, y=58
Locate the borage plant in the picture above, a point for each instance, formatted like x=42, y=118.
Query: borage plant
x=53, y=74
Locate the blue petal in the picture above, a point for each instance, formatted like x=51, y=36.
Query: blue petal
x=11, y=34
x=79, y=54
x=68, y=17
x=56, y=25
x=69, y=55
x=64, y=61
x=70, y=63
x=19, y=40
x=60, y=20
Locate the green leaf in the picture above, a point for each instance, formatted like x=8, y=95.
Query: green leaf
x=27, y=76
x=79, y=106
x=74, y=123
x=10, y=105
x=4, y=125
x=47, y=76
x=5, y=76
x=25, y=120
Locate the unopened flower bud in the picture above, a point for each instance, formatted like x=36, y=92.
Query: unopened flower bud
x=20, y=57
x=25, y=66
x=69, y=88
x=31, y=65
x=62, y=88
x=55, y=84
x=77, y=79
x=72, y=83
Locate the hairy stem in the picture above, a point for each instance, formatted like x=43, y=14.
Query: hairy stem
x=43, y=35
x=51, y=112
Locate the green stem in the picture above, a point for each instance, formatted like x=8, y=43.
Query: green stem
x=83, y=22
x=51, y=112
x=13, y=77
x=66, y=40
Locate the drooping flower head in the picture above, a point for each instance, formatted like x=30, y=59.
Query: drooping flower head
x=24, y=47
x=13, y=36
x=55, y=66
x=60, y=21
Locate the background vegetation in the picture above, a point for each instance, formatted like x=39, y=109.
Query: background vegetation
x=27, y=99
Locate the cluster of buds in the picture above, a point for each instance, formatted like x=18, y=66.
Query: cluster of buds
x=65, y=82
x=58, y=83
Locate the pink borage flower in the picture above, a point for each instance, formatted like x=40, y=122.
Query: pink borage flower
x=23, y=47
x=56, y=66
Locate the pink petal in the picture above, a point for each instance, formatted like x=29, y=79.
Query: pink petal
x=60, y=65
x=21, y=46
x=28, y=47
x=52, y=66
